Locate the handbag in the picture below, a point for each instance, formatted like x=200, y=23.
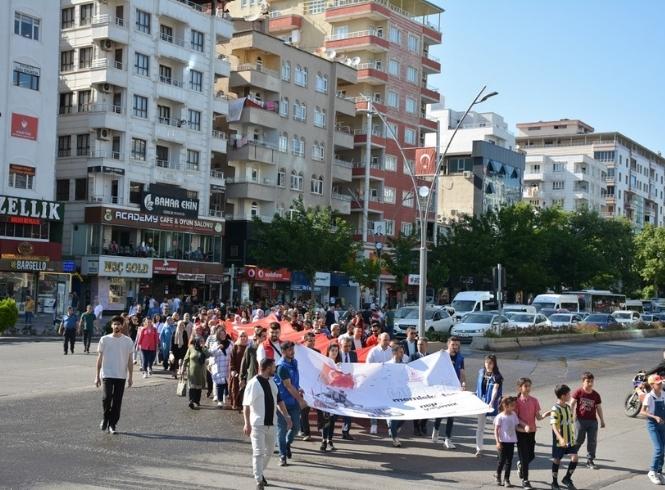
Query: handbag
x=61, y=329
x=181, y=389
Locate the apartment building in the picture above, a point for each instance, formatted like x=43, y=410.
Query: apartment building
x=138, y=134
x=30, y=219
x=572, y=166
x=284, y=143
x=482, y=171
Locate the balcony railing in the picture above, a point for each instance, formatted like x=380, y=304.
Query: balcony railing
x=74, y=109
x=371, y=66
x=218, y=135
x=351, y=35
x=170, y=81
x=170, y=38
x=258, y=68
x=341, y=197
x=387, y=4
x=343, y=163
x=167, y=164
x=216, y=174
x=101, y=63
x=107, y=19
x=178, y=123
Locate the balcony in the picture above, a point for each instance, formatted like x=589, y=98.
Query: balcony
x=255, y=76
x=241, y=188
x=341, y=203
x=173, y=47
x=218, y=141
x=172, y=89
x=261, y=117
x=345, y=105
x=171, y=130
x=256, y=151
x=217, y=177
x=220, y=103
x=427, y=124
x=429, y=93
x=343, y=10
x=531, y=192
x=222, y=66
x=283, y=21
x=431, y=64
x=198, y=15
x=110, y=27
x=342, y=170
x=378, y=137
x=372, y=73
x=534, y=176
x=104, y=70
x=343, y=137
x=96, y=116
x=368, y=40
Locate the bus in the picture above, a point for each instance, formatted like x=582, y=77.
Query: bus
x=598, y=301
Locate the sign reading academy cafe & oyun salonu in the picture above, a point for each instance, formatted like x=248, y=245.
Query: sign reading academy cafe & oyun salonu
x=31, y=208
x=169, y=200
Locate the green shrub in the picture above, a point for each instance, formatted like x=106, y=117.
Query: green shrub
x=644, y=326
x=436, y=336
x=586, y=328
x=8, y=314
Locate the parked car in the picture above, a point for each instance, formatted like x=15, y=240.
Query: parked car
x=437, y=319
x=602, y=320
x=559, y=320
x=475, y=324
x=548, y=312
x=527, y=320
x=626, y=317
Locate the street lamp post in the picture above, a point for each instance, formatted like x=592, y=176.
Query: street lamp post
x=378, y=246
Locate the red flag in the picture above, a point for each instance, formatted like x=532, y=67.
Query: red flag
x=425, y=161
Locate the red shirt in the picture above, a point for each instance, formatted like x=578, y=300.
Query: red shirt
x=371, y=341
x=526, y=410
x=587, y=404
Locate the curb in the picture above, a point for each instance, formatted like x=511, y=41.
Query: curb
x=518, y=343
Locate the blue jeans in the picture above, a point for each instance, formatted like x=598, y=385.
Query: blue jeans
x=657, y=435
x=394, y=426
x=285, y=436
x=449, y=426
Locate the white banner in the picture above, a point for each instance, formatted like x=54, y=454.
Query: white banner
x=423, y=389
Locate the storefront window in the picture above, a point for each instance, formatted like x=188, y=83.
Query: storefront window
x=117, y=291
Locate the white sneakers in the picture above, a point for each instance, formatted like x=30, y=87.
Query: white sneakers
x=220, y=405
x=448, y=443
x=373, y=429
x=397, y=442
x=435, y=436
x=145, y=375
x=655, y=478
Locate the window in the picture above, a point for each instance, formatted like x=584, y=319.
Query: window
x=317, y=185
x=67, y=18
x=26, y=26
x=392, y=99
x=196, y=80
x=395, y=35
x=64, y=145
x=84, y=97
x=410, y=136
x=82, y=145
x=604, y=156
x=301, y=76
x=322, y=83
x=407, y=229
x=286, y=71
x=389, y=226
x=162, y=156
x=136, y=192
x=85, y=58
x=81, y=189
x=318, y=151
x=62, y=190
x=193, y=158
x=390, y=163
x=410, y=105
x=557, y=167
x=67, y=60
x=166, y=33
x=254, y=209
x=320, y=118
x=407, y=199
x=284, y=107
x=142, y=64
x=281, y=177
x=412, y=74
x=389, y=195
x=300, y=111
x=21, y=176
x=140, y=106
x=197, y=40
x=85, y=14
x=557, y=203
x=165, y=73
x=296, y=181
x=194, y=120
x=558, y=185
x=26, y=76
x=164, y=114
x=283, y=143
x=414, y=43
x=393, y=67
x=138, y=149
x=143, y=21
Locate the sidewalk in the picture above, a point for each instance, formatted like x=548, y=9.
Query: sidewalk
x=42, y=328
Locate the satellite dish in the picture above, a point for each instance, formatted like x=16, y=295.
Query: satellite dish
x=348, y=61
x=252, y=18
x=263, y=5
x=355, y=61
x=330, y=54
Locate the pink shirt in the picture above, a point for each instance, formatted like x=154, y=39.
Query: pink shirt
x=526, y=410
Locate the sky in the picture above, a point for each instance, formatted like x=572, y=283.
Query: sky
x=601, y=61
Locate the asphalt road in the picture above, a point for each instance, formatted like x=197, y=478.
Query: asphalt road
x=50, y=412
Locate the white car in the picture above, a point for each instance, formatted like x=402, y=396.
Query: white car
x=526, y=320
x=626, y=317
x=559, y=320
x=437, y=319
x=475, y=324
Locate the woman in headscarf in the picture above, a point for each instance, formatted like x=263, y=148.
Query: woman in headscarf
x=179, y=346
x=188, y=324
x=235, y=393
x=195, y=363
x=221, y=352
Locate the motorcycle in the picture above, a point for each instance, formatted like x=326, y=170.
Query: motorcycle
x=633, y=404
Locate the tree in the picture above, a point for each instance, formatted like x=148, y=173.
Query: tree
x=365, y=271
x=8, y=314
x=307, y=240
x=650, y=256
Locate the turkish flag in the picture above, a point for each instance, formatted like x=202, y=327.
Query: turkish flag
x=425, y=161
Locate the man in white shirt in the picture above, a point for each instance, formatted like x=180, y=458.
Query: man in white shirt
x=260, y=402
x=379, y=353
x=114, y=368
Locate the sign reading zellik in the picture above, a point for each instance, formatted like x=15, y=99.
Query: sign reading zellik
x=169, y=200
x=31, y=208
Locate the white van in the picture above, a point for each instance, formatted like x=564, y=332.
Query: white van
x=568, y=302
x=468, y=301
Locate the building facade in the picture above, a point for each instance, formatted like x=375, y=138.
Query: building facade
x=572, y=166
x=482, y=171
x=30, y=219
x=139, y=132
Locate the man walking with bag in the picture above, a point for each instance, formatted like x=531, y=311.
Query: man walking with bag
x=114, y=368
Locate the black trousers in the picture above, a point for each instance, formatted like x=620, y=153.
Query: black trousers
x=114, y=388
x=209, y=383
x=304, y=422
x=526, y=449
x=70, y=338
x=87, y=339
x=450, y=422
x=505, y=458
x=195, y=395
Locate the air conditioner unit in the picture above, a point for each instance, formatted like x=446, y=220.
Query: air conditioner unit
x=379, y=32
x=375, y=160
x=377, y=97
x=378, y=64
x=467, y=174
x=106, y=44
x=107, y=88
x=103, y=134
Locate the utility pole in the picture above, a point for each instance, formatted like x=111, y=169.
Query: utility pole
x=233, y=275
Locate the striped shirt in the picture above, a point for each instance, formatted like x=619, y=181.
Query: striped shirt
x=562, y=418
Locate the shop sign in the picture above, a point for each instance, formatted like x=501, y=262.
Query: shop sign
x=169, y=200
x=24, y=126
x=413, y=279
x=28, y=265
x=145, y=220
x=31, y=208
x=258, y=274
x=111, y=266
x=105, y=169
x=214, y=279
x=68, y=266
x=322, y=279
x=164, y=267
x=185, y=276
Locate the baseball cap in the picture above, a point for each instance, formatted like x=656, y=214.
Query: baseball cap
x=654, y=379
